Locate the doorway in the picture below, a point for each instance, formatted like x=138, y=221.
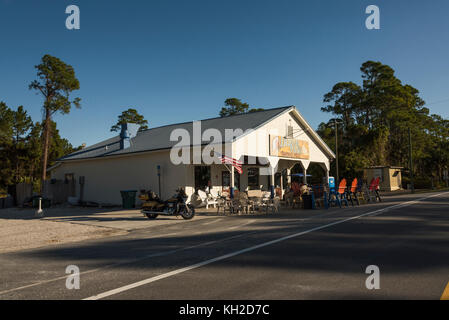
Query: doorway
x=202, y=177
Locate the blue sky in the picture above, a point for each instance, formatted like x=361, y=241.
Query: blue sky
x=178, y=61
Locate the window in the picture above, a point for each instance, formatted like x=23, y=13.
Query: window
x=226, y=179
x=253, y=178
x=69, y=177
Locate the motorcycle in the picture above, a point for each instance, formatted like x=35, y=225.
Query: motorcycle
x=154, y=206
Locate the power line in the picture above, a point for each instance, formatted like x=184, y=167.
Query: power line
x=437, y=102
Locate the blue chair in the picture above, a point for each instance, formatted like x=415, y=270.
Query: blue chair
x=333, y=198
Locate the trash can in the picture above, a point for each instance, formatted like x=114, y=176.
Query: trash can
x=128, y=198
x=307, y=199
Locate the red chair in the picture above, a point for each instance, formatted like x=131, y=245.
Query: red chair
x=373, y=183
x=296, y=188
x=374, y=188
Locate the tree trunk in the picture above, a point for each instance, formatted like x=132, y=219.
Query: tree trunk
x=16, y=151
x=17, y=172
x=46, y=146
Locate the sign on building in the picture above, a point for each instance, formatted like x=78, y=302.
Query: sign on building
x=289, y=148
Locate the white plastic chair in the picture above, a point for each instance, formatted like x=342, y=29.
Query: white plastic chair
x=206, y=200
x=214, y=194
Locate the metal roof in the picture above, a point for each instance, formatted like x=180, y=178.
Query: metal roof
x=159, y=138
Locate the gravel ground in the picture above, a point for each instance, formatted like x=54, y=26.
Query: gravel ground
x=19, y=231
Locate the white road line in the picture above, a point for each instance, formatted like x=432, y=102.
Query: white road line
x=232, y=254
x=138, y=259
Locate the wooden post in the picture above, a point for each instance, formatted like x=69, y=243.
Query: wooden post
x=282, y=184
x=289, y=177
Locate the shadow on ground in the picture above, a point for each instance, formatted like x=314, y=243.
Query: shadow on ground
x=415, y=238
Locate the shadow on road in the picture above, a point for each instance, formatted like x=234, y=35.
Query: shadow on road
x=414, y=238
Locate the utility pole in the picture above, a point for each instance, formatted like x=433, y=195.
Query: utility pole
x=412, y=184
x=336, y=147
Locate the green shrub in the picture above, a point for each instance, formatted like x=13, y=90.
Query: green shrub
x=423, y=183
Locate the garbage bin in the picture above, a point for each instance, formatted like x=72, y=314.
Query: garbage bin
x=307, y=199
x=128, y=198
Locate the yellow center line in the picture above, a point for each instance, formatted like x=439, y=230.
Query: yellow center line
x=445, y=295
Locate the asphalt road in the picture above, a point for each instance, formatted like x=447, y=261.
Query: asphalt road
x=319, y=254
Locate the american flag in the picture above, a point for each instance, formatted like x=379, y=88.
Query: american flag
x=228, y=160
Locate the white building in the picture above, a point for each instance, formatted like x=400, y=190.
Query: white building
x=267, y=142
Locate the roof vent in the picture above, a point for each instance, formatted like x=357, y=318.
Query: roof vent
x=129, y=131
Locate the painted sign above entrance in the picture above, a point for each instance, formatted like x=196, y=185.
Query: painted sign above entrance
x=289, y=148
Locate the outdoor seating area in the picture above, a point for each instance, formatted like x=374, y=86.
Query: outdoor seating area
x=296, y=196
x=357, y=193
x=247, y=202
